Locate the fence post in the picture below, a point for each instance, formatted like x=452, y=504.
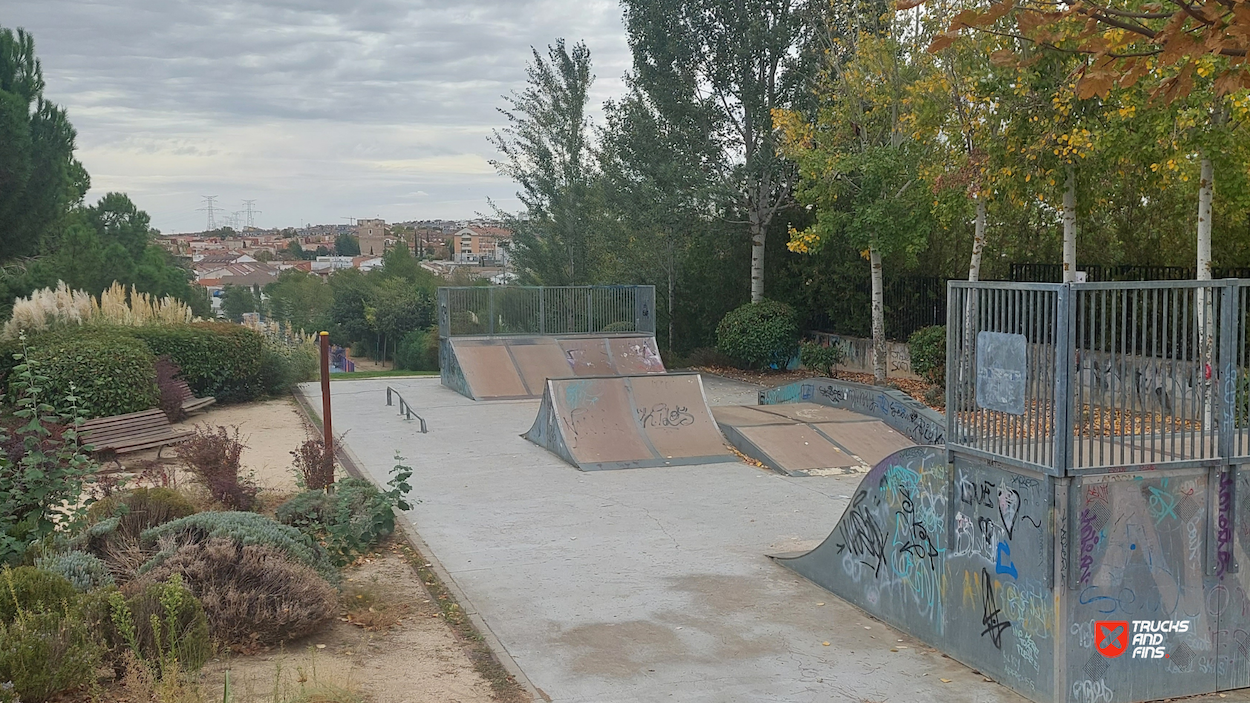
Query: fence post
x=1065, y=313
x=1230, y=332
x=490, y=303
x=542, y=312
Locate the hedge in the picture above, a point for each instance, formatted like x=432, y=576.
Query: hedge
x=220, y=359
x=112, y=373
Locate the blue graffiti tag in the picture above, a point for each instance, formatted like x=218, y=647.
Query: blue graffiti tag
x=1010, y=567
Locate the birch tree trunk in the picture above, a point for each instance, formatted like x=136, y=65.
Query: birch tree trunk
x=1206, y=321
x=1069, y=227
x=978, y=241
x=758, y=233
x=878, y=319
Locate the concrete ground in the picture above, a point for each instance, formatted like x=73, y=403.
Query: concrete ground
x=640, y=584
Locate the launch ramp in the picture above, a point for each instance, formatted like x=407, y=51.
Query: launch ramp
x=621, y=422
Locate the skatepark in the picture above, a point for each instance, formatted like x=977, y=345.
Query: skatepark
x=616, y=555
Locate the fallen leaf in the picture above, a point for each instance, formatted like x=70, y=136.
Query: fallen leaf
x=825, y=644
x=944, y=680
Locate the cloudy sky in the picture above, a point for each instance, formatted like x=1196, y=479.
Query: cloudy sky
x=318, y=110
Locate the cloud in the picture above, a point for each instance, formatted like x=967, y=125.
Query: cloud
x=317, y=109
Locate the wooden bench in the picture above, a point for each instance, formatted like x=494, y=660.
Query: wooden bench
x=133, y=432
x=190, y=403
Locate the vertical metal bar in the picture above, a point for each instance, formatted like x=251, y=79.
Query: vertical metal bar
x=1079, y=432
x=1188, y=394
x=490, y=302
x=953, y=374
x=1228, y=370
x=1063, y=366
x=1104, y=384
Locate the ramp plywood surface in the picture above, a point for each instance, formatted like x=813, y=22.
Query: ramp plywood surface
x=813, y=412
x=489, y=371
x=504, y=368
x=798, y=447
x=538, y=361
x=746, y=416
x=617, y=422
x=871, y=441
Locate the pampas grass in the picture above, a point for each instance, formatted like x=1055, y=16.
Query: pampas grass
x=60, y=307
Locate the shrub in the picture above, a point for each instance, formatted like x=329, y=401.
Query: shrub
x=110, y=373
x=350, y=521
x=43, y=654
x=820, y=358
x=168, y=388
x=84, y=571
x=927, y=347
x=30, y=590
x=764, y=334
x=418, y=350
x=285, y=364
x=162, y=624
x=253, y=595
x=314, y=465
x=217, y=358
x=245, y=529
x=709, y=358
x=44, y=472
x=214, y=457
x=139, y=509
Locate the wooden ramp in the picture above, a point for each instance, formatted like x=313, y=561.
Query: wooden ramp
x=505, y=368
x=809, y=439
x=622, y=422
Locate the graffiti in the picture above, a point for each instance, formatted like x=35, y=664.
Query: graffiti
x=1224, y=535
x=862, y=537
x=991, y=613
x=1089, y=538
x=919, y=544
x=1009, y=568
x=1008, y=507
x=834, y=393
x=1091, y=691
x=1029, y=611
x=1162, y=505
x=1027, y=649
x=1084, y=632
x=919, y=423
x=660, y=415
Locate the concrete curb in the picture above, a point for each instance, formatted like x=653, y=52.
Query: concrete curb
x=355, y=467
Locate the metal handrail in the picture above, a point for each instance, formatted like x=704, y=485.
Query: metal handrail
x=404, y=408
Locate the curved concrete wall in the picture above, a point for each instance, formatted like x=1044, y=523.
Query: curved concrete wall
x=922, y=424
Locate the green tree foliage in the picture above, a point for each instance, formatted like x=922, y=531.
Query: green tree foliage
x=39, y=178
x=346, y=245
x=544, y=149
x=301, y=299
x=237, y=300
x=723, y=66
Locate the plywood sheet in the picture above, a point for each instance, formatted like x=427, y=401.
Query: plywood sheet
x=489, y=370
x=672, y=413
x=538, y=360
x=797, y=447
x=635, y=355
x=747, y=415
x=871, y=441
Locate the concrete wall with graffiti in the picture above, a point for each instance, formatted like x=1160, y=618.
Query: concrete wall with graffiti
x=857, y=354
x=449, y=370
x=919, y=422
x=1037, y=581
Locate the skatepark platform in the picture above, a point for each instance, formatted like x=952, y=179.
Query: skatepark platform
x=808, y=439
x=509, y=368
x=621, y=422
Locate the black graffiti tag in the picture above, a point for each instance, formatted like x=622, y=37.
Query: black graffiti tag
x=660, y=415
x=991, y=615
x=862, y=536
x=920, y=544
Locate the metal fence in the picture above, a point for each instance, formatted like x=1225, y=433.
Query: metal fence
x=1097, y=273
x=545, y=310
x=909, y=303
x=1067, y=378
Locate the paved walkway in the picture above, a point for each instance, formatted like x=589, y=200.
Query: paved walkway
x=640, y=584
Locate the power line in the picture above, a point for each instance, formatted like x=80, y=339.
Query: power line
x=210, y=207
x=250, y=212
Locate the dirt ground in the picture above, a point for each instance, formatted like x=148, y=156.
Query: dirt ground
x=416, y=660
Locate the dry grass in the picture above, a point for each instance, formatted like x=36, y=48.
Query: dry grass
x=369, y=606
x=253, y=596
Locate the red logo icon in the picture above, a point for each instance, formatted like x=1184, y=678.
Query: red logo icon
x=1111, y=637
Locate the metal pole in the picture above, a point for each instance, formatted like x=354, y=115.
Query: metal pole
x=325, y=396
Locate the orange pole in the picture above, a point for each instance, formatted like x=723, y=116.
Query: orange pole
x=325, y=394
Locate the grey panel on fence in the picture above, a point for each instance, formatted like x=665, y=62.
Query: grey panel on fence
x=1002, y=371
x=1139, y=543
x=920, y=423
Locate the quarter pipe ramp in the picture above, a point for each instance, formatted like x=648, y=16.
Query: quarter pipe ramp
x=621, y=422
x=505, y=368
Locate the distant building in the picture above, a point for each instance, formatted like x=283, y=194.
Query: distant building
x=480, y=244
x=372, y=236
